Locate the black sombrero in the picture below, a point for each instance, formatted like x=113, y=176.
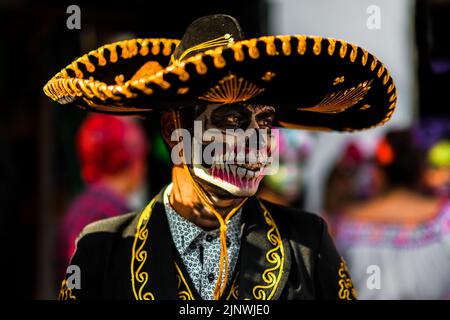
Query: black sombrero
x=315, y=83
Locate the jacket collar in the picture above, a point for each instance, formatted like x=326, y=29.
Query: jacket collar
x=265, y=254
x=157, y=271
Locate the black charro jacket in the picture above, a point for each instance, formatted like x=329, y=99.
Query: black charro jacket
x=285, y=254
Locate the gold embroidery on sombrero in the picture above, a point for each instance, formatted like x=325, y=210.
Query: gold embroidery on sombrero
x=286, y=44
x=338, y=80
x=238, y=52
x=115, y=109
x=179, y=70
x=331, y=46
x=182, y=90
x=231, y=89
x=302, y=46
x=200, y=67
x=364, y=57
x=341, y=100
x=343, y=49
x=149, y=68
x=274, y=256
x=271, y=48
x=217, y=42
x=139, y=278
x=353, y=53
x=346, y=291
x=64, y=88
x=317, y=45
x=268, y=76
x=184, y=293
x=364, y=107
x=119, y=79
x=65, y=293
x=374, y=63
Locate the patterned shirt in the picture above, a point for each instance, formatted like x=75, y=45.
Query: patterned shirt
x=200, y=249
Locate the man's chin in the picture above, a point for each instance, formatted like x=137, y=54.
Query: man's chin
x=225, y=188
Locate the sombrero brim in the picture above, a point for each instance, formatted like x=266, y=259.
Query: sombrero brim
x=313, y=82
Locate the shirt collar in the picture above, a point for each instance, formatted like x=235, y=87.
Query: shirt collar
x=185, y=232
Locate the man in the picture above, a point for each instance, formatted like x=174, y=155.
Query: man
x=206, y=236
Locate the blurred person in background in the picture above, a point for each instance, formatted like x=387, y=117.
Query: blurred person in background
x=400, y=233
x=341, y=186
x=437, y=174
x=286, y=187
x=352, y=179
x=112, y=153
x=433, y=137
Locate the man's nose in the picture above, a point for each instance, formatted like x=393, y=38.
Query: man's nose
x=253, y=124
x=254, y=136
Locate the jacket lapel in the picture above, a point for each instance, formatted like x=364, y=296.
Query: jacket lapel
x=152, y=261
x=265, y=258
x=263, y=269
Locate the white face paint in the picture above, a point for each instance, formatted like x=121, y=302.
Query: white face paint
x=240, y=168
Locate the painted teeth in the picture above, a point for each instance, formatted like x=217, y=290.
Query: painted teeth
x=241, y=172
x=233, y=169
x=252, y=156
x=232, y=157
x=227, y=168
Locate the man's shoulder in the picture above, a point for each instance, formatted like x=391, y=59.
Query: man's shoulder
x=293, y=215
x=301, y=226
x=122, y=225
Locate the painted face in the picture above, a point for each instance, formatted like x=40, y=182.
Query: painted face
x=244, y=132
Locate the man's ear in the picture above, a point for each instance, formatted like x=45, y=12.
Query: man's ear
x=167, y=127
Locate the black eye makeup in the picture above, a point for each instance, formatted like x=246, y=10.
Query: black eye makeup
x=239, y=116
x=265, y=118
x=231, y=117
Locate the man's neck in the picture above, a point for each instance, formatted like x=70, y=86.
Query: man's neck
x=187, y=203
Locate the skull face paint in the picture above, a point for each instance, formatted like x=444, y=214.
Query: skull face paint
x=244, y=131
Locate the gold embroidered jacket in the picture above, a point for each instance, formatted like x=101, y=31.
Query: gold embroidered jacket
x=285, y=254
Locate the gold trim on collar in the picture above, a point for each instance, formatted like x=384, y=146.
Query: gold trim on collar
x=271, y=276
x=186, y=293
x=275, y=256
x=140, y=255
x=346, y=291
x=65, y=293
x=234, y=290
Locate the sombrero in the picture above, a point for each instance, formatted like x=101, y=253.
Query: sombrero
x=313, y=82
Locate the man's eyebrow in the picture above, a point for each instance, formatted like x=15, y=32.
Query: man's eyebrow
x=263, y=107
x=230, y=109
x=265, y=113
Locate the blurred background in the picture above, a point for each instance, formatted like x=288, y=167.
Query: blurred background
x=384, y=192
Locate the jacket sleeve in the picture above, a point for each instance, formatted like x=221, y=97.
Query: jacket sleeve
x=331, y=276
x=82, y=281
